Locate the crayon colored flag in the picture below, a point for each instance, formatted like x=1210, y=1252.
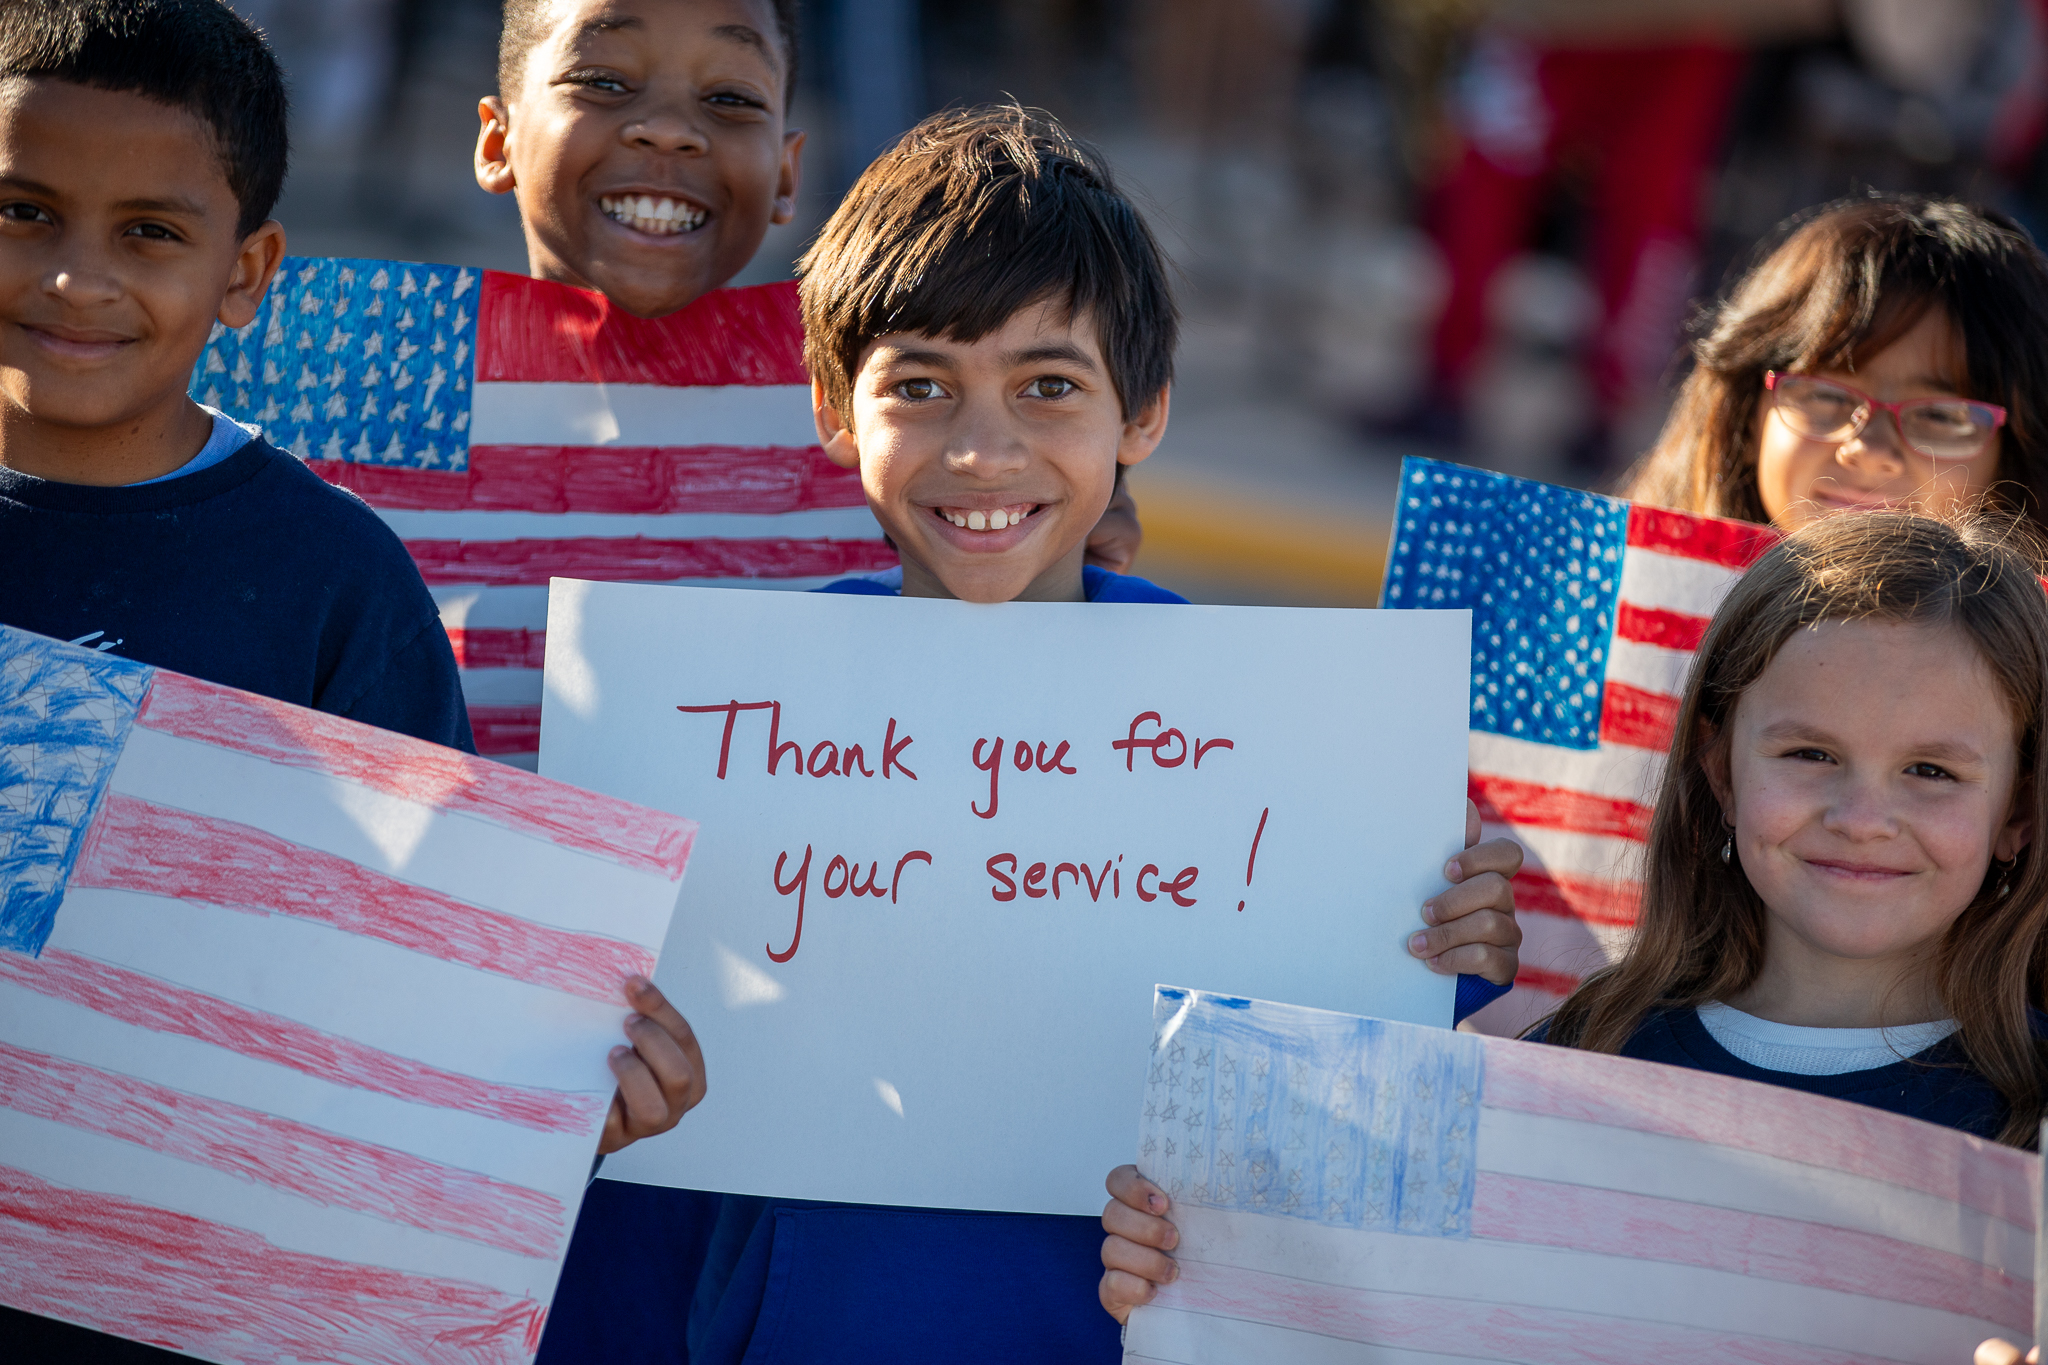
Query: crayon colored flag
x=303, y=1024
x=511, y=430
x=1354, y=1189
x=1586, y=611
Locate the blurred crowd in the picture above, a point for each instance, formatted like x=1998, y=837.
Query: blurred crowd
x=1472, y=227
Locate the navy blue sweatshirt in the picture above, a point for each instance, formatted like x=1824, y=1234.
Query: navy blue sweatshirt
x=252, y=573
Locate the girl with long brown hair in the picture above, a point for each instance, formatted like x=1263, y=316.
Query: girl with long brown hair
x=1887, y=352
x=1838, y=894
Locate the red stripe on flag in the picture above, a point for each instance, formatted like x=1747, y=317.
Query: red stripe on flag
x=1638, y=718
x=137, y=846
x=430, y=490
x=637, y=559
x=1559, y=984
x=1655, y=626
x=533, y=331
x=1646, y=1097
x=326, y=1168
x=172, y=1280
x=498, y=648
x=1592, y=900
x=1506, y=801
x=1733, y=544
x=1465, y=1328
x=602, y=826
x=1644, y=1228
x=503, y=730
x=627, y=480
x=150, y=1003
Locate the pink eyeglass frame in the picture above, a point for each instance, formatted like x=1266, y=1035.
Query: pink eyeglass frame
x=1771, y=378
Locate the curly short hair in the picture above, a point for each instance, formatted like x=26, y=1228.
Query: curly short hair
x=526, y=23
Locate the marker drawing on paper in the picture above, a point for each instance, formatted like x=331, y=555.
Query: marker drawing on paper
x=302, y=1024
x=510, y=430
x=1585, y=614
x=1359, y=1190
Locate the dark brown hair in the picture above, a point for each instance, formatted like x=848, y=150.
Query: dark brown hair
x=1841, y=284
x=973, y=216
x=526, y=24
x=1700, y=935
x=195, y=55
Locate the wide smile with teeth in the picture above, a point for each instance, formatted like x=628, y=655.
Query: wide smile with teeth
x=977, y=519
x=657, y=217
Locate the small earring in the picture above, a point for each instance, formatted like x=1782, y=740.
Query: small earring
x=1728, y=850
x=2004, y=879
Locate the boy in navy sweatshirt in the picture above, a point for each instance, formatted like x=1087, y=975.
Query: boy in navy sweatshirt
x=142, y=147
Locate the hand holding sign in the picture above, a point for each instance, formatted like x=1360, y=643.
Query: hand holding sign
x=945, y=845
x=1473, y=924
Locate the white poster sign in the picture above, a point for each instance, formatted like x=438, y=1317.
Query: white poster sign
x=945, y=846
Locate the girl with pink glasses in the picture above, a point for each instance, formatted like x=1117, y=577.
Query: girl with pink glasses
x=1891, y=352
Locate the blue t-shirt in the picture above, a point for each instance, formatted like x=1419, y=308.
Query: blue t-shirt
x=227, y=437
x=1097, y=585
x=745, y=1281
x=248, y=571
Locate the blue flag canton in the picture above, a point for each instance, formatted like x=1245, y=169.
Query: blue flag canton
x=1540, y=569
x=367, y=362
x=1329, y=1118
x=65, y=713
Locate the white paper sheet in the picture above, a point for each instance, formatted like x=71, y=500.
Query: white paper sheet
x=933, y=1043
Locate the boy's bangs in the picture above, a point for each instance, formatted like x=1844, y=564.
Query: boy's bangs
x=193, y=55
x=965, y=284
x=973, y=217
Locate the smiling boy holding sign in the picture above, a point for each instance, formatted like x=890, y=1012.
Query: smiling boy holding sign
x=926, y=897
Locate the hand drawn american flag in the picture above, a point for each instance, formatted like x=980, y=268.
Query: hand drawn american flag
x=1350, y=1189
x=512, y=430
x=302, y=1024
x=1585, y=614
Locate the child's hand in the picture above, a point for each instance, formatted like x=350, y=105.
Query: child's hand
x=1475, y=931
x=1134, y=1256
x=1999, y=1351
x=1113, y=544
x=661, y=1077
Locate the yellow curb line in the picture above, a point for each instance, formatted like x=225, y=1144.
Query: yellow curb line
x=1225, y=534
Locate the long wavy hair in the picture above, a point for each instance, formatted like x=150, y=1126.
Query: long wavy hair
x=1700, y=936
x=1840, y=284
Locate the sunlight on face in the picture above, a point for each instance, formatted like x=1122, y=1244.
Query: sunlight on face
x=1801, y=480
x=989, y=462
x=646, y=146
x=1870, y=776
x=119, y=248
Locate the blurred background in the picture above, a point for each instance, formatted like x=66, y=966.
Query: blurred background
x=1473, y=229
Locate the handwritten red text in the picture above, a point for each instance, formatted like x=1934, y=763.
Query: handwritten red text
x=1039, y=878
x=841, y=877
x=823, y=759
x=1045, y=758
x=1169, y=748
